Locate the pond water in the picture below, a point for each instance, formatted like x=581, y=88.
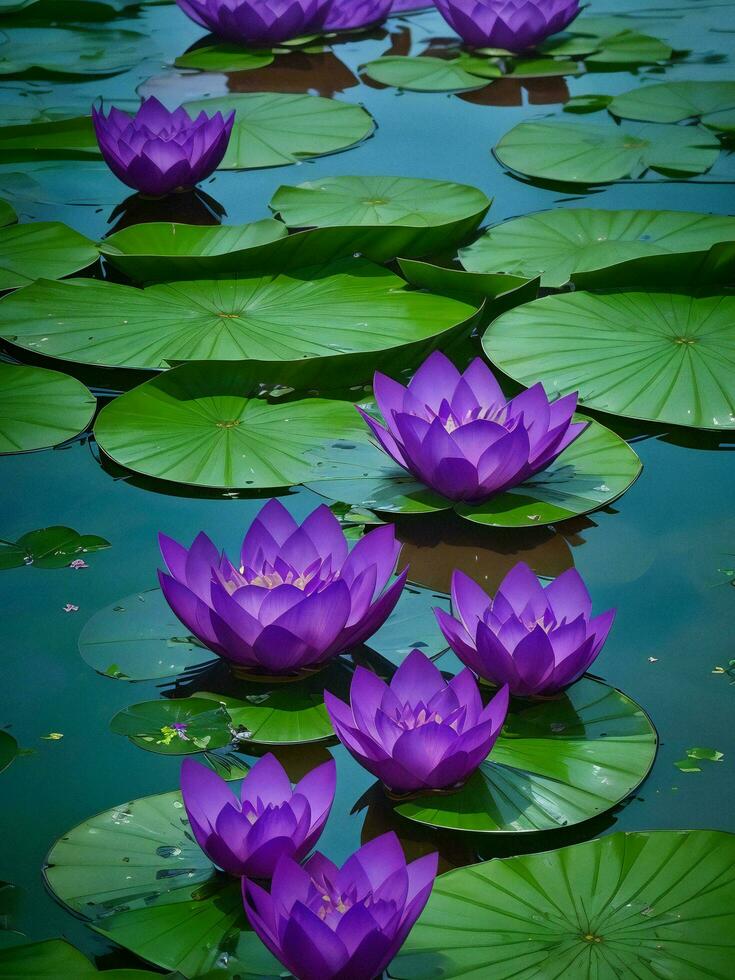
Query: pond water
x=661, y=554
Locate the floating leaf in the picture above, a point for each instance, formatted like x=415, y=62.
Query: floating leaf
x=138, y=638
x=273, y=129
x=347, y=311
x=44, y=249
x=541, y=68
x=9, y=749
x=500, y=292
x=71, y=51
x=688, y=764
x=70, y=138
x=629, y=904
x=600, y=247
x=197, y=426
x=7, y=214
x=224, y=57
x=55, y=958
x=663, y=357
x=591, y=473
x=630, y=48
x=583, y=153
x=673, y=102
x=162, y=252
x=556, y=763
x=380, y=201
x=137, y=872
x=423, y=74
x=587, y=103
x=176, y=727
x=49, y=547
x=40, y=408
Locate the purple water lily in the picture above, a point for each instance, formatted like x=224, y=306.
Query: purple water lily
x=345, y=15
x=297, y=598
x=458, y=434
x=536, y=640
x=419, y=732
x=513, y=25
x=157, y=151
x=328, y=923
x=253, y=22
x=248, y=836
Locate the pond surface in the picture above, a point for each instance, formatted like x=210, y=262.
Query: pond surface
x=662, y=554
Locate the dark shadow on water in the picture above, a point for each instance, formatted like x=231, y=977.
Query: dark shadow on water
x=194, y=207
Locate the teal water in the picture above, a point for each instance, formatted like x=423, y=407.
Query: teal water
x=661, y=554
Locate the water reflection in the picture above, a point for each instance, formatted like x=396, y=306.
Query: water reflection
x=518, y=92
x=194, y=207
x=314, y=73
x=434, y=548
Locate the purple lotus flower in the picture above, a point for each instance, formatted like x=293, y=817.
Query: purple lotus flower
x=248, y=836
x=510, y=24
x=459, y=435
x=419, y=732
x=297, y=598
x=328, y=923
x=253, y=22
x=157, y=151
x=535, y=640
x=345, y=15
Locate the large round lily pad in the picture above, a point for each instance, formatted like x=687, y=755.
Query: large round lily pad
x=664, y=357
x=161, y=252
x=136, y=871
x=605, y=247
x=557, y=763
x=45, y=249
x=40, y=408
x=378, y=201
x=55, y=958
x=273, y=129
x=425, y=74
x=138, y=638
x=71, y=51
x=672, y=102
x=594, y=471
x=645, y=905
x=197, y=425
x=587, y=153
x=224, y=57
x=345, y=310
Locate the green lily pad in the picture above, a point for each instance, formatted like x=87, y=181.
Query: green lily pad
x=138, y=638
x=423, y=74
x=40, y=408
x=44, y=249
x=55, y=958
x=273, y=129
x=281, y=714
x=500, y=292
x=56, y=139
x=594, y=471
x=224, y=57
x=49, y=547
x=630, y=48
x=199, y=427
x=541, y=68
x=345, y=310
x=599, y=247
x=71, y=51
x=587, y=103
x=7, y=214
x=150, y=725
x=654, y=904
x=672, y=102
x=137, y=873
x=9, y=749
x=163, y=252
x=663, y=357
x=571, y=152
x=557, y=763
x=383, y=201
